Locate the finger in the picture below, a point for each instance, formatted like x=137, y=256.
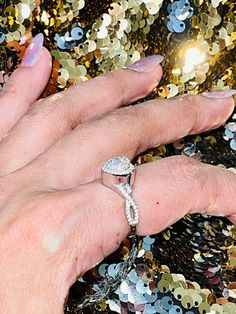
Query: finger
x=51, y=119
x=164, y=191
x=77, y=158
x=232, y=218
x=25, y=85
x=181, y=186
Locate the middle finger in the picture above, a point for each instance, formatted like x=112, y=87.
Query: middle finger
x=50, y=119
x=77, y=158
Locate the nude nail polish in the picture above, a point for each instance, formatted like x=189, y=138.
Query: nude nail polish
x=32, y=52
x=219, y=94
x=146, y=65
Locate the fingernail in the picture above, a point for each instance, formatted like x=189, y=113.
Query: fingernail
x=32, y=52
x=220, y=94
x=147, y=64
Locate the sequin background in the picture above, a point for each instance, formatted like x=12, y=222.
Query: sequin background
x=190, y=267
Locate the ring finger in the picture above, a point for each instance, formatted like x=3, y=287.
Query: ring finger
x=164, y=192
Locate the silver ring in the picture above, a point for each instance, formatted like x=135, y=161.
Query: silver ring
x=118, y=174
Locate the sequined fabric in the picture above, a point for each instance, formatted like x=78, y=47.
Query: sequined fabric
x=200, y=248
x=191, y=266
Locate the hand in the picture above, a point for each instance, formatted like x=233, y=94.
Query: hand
x=56, y=218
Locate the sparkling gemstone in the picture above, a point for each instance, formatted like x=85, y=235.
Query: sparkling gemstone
x=118, y=166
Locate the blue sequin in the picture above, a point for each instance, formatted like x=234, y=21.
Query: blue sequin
x=71, y=39
x=179, y=12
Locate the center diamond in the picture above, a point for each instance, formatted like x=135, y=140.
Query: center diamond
x=120, y=166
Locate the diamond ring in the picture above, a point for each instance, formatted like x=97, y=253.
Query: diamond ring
x=118, y=174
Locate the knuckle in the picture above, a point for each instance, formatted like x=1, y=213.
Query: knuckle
x=184, y=168
x=67, y=110
x=193, y=112
x=132, y=124
x=115, y=82
x=122, y=116
x=132, y=121
x=109, y=79
x=198, y=112
x=54, y=107
x=144, y=118
x=12, y=92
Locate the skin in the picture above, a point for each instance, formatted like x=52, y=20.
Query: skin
x=56, y=218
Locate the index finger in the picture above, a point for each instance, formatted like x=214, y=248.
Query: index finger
x=18, y=94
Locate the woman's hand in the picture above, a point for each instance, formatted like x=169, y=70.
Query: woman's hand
x=56, y=218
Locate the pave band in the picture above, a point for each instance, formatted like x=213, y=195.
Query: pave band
x=118, y=174
x=131, y=209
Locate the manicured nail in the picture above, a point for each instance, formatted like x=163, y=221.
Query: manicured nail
x=32, y=52
x=147, y=64
x=220, y=94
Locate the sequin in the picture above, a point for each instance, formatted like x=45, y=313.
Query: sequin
x=179, y=12
x=230, y=133
x=197, y=38
x=77, y=33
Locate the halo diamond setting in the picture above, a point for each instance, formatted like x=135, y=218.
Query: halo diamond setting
x=120, y=166
x=118, y=174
